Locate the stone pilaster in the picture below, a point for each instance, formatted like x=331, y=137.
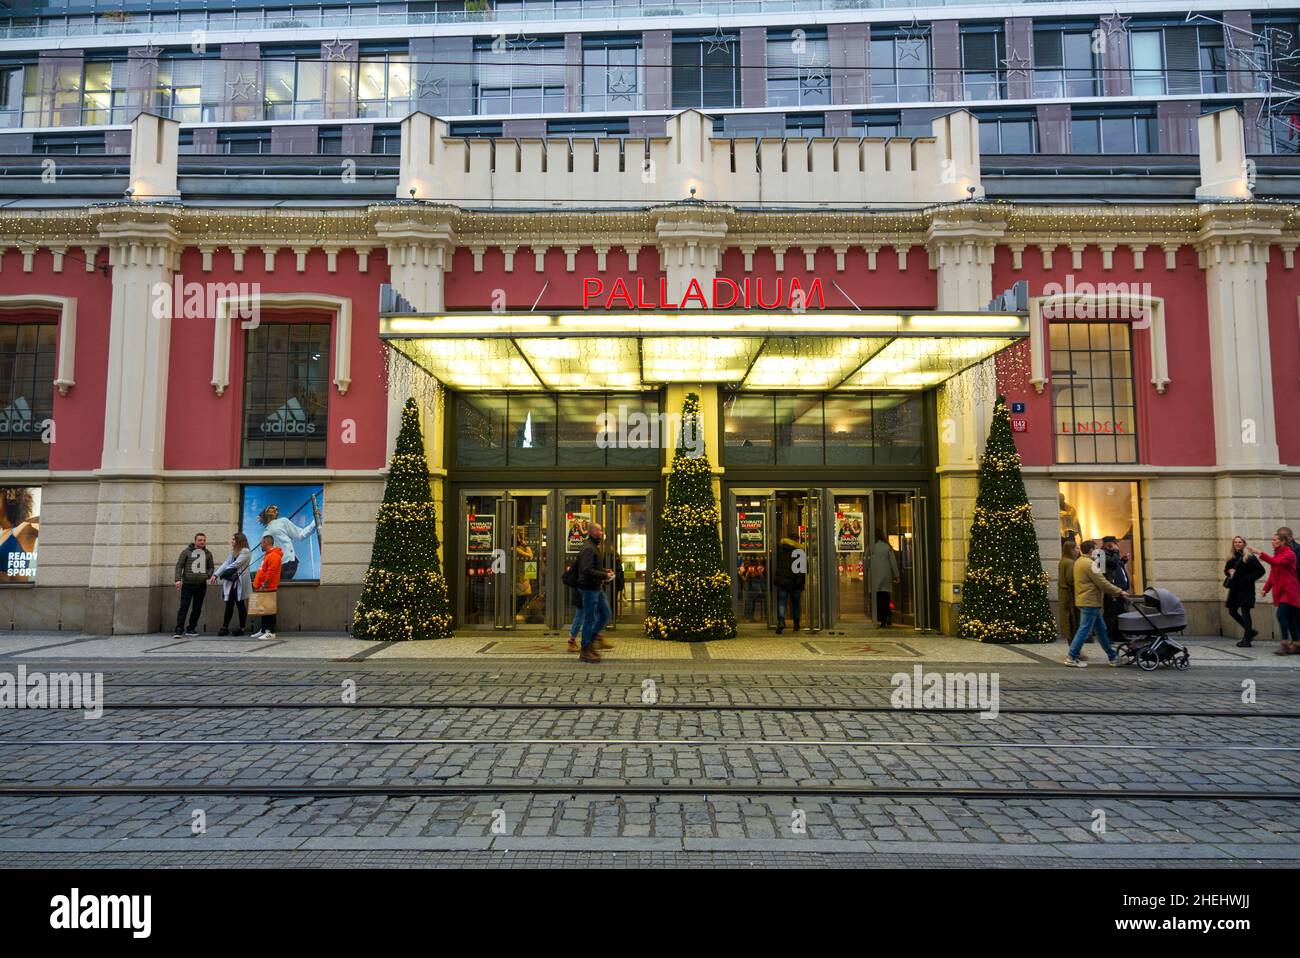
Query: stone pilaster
x=961, y=242
x=691, y=240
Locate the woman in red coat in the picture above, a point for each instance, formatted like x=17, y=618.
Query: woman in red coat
x=1285, y=588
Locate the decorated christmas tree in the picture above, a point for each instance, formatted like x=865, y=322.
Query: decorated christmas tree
x=1004, y=596
x=404, y=594
x=690, y=591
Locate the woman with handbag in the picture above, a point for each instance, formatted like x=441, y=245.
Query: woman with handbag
x=1240, y=573
x=265, y=584
x=235, y=584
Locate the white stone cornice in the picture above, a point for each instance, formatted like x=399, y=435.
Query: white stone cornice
x=249, y=308
x=66, y=307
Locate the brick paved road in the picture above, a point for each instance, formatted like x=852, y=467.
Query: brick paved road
x=654, y=747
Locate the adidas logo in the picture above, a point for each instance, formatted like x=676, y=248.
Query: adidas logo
x=289, y=419
x=17, y=418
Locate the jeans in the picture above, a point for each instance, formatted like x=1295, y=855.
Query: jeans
x=783, y=594
x=192, y=596
x=577, y=622
x=1090, y=617
x=595, y=613
x=1288, y=620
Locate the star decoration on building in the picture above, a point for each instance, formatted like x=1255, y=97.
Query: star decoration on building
x=148, y=52
x=337, y=49
x=521, y=41
x=622, y=86
x=1016, y=65
x=911, y=39
x=719, y=41
x=816, y=77
x=428, y=86
x=1114, y=24
x=241, y=87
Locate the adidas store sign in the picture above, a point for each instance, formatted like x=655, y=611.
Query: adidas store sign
x=289, y=420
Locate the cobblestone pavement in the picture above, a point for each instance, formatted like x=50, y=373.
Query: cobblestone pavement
x=622, y=740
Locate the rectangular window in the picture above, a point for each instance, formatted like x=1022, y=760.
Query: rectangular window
x=611, y=74
x=180, y=86
x=522, y=78
x=798, y=68
x=27, y=360
x=876, y=124
x=900, y=69
x=384, y=85
x=983, y=72
x=706, y=71
x=837, y=429
x=1096, y=131
x=286, y=395
x=1093, y=399
x=1094, y=510
x=543, y=430
x=1213, y=61
x=1008, y=132
x=1147, y=59
x=1065, y=64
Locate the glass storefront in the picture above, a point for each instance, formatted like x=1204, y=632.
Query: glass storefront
x=1095, y=509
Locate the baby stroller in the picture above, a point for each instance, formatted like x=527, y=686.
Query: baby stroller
x=1144, y=632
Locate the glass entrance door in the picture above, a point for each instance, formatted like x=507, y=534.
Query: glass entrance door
x=774, y=543
x=504, y=584
x=625, y=518
x=876, y=551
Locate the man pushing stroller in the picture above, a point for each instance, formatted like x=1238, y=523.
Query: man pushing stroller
x=1090, y=588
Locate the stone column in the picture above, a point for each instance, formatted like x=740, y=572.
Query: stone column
x=420, y=244
x=129, y=566
x=961, y=243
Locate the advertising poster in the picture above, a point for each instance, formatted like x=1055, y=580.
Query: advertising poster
x=291, y=515
x=579, y=525
x=848, y=532
x=751, y=530
x=480, y=533
x=20, y=524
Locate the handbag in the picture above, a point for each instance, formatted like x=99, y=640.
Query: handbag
x=262, y=603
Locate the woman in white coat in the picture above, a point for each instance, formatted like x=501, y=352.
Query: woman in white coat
x=235, y=584
x=884, y=576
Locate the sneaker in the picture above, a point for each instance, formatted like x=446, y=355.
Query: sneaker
x=191, y=634
x=1076, y=663
x=1244, y=644
x=178, y=634
x=267, y=636
x=1115, y=662
x=573, y=644
x=258, y=634
x=589, y=655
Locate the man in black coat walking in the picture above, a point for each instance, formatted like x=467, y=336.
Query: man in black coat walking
x=1116, y=574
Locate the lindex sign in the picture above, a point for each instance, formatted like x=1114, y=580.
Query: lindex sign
x=721, y=293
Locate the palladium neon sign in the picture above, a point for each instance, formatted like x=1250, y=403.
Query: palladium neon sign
x=722, y=293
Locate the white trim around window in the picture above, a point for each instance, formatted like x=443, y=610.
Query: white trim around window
x=1142, y=312
x=66, y=306
x=340, y=306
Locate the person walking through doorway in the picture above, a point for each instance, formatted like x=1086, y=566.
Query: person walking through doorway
x=194, y=572
x=592, y=577
x=235, y=584
x=884, y=576
x=1089, y=588
x=789, y=583
x=1240, y=573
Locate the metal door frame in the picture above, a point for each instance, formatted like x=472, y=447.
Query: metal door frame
x=605, y=502
x=505, y=515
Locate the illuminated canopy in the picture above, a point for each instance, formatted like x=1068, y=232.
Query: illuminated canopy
x=816, y=350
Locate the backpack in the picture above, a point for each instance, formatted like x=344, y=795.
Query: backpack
x=570, y=577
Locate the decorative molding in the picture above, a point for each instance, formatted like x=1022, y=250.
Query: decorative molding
x=340, y=306
x=1086, y=305
x=67, y=308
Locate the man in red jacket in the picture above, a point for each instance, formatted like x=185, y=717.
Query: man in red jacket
x=268, y=580
x=1285, y=588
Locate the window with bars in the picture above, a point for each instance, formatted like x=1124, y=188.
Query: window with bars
x=983, y=72
x=519, y=76
x=1093, y=400
x=1065, y=63
x=286, y=395
x=706, y=71
x=900, y=69
x=611, y=73
x=798, y=68
x=1095, y=131
x=27, y=362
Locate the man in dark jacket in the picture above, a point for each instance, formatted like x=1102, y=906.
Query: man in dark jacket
x=592, y=576
x=1116, y=574
x=789, y=581
x=194, y=571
